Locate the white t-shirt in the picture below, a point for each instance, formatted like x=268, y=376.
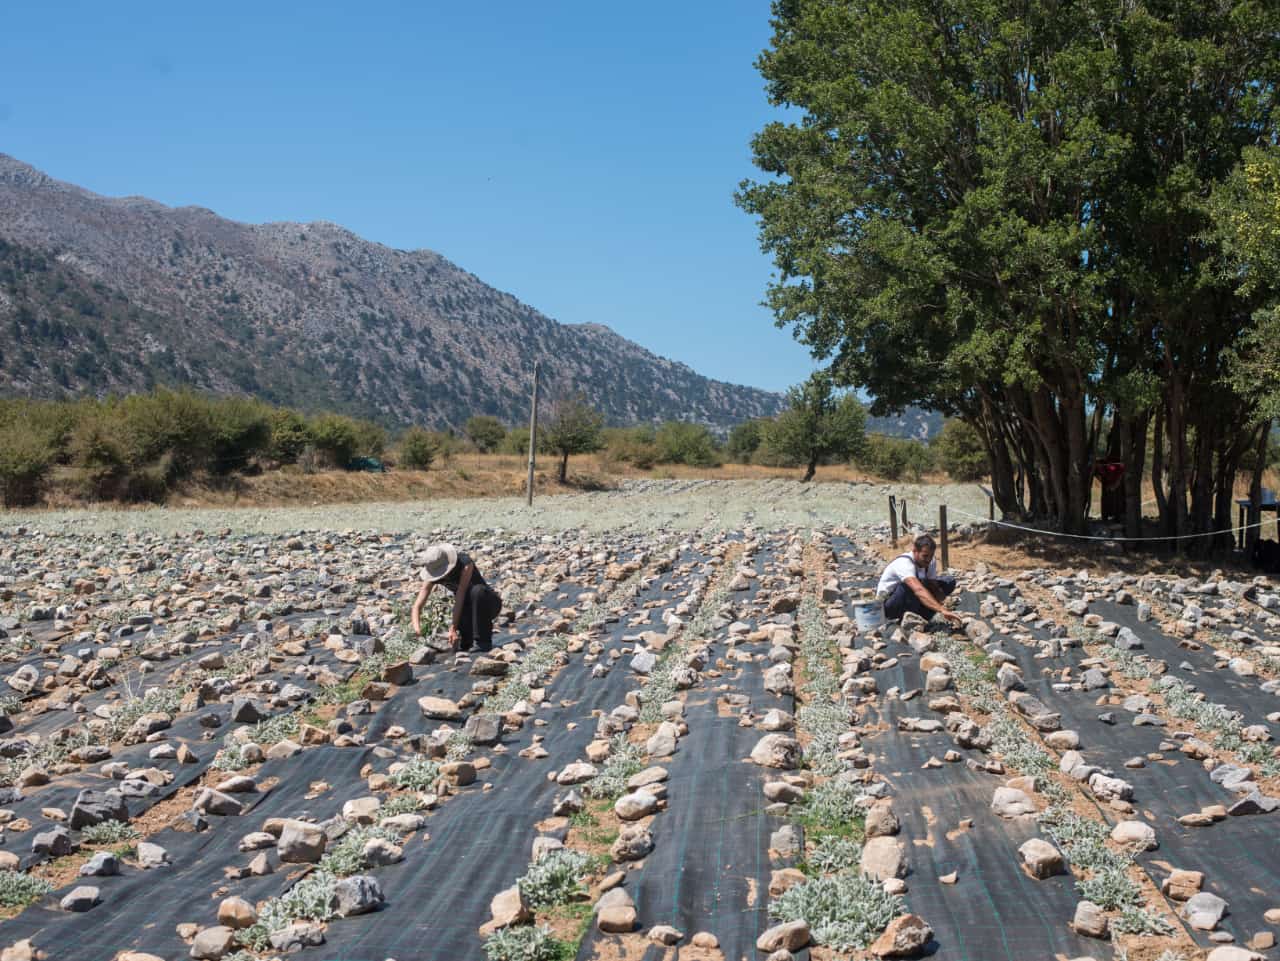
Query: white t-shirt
x=900, y=568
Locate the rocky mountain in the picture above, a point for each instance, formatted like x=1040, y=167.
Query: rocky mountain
x=118, y=294
x=913, y=422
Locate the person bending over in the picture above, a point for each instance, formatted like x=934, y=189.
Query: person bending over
x=476, y=605
x=911, y=583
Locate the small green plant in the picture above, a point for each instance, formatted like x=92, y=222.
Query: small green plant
x=556, y=877
x=524, y=944
x=17, y=890
x=1136, y=920
x=419, y=774
x=1110, y=889
x=845, y=912
x=347, y=856
x=310, y=899
x=108, y=832
x=833, y=854
x=275, y=729
x=834, y=804
x=401, y=804
x=624, y=762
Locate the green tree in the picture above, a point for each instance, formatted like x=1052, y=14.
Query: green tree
x=678, y=442
x=516, y=442
x=25, y=458
x=819, y=425
x=336, y=436
x=893, y=458
x=239, y=428
x=744, y=441
x=960, y=451
x=574, y=427
x=289, y=435
x=485, y=432
x=998, y=211
x=418, y=448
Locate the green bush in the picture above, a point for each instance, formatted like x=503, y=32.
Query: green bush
x=239, y=429
x=959, y=451
x=418, y=448
x=485, y=432
x=894, y=458
x=336, y=437
x=744, y=441
x=516, y=442
x=173, y=423
x=631, y=445
x=289, y=435
x=25, y=458
x=690, y=444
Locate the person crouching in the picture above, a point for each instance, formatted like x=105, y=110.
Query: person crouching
x=911, y=583
x=476, y=605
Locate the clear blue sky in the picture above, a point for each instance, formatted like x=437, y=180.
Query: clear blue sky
x=580, y=155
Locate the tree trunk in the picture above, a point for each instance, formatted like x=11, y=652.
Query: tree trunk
x=1255, y=485
x=1133, y=454
x=809, y=471
x=564, y=468
x=1157, y=470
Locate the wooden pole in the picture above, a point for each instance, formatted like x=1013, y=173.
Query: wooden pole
x=942, y=530
x=904, y=517
x=893, y=518
x=991, y=508
x=533, y=432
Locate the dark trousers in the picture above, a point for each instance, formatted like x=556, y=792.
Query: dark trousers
x=479, y=610
x=904, y=599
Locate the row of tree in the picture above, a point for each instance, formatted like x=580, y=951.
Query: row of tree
x=1056, y=221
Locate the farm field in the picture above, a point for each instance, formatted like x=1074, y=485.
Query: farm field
x=221, y=741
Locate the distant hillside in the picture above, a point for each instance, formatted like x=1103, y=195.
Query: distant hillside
x=912, y=422
x=108, y=294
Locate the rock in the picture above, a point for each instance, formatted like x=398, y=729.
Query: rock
x=884, y=857
x=635, y=842
x=484, y=729
x=104, y=864
x=1182, y=885
x=616, y=912
x=1011, y=803
x=358, y=894
x=94, y=807
x=905, y=937
x=1203, y=911
x=1041, y=859
x=301, y=843
x=246, y=710
x=881, y=821
x=508, y=907
x=777, y=751
x=363, y=810
x=1135, y=834
x=777, y=720
x=152, y=855
x=636, y=805
x=213, y=943
x=439, y=708
x=576, y=773
x=236, y=913
x=209, y=801
x=643, y=663
x=705, y=940
x=1230, y=952
x=294, y=937
x=1090, y=921
x=664, y=934
x=54, y=842
x=789, y=936
x=787, y=841
x=80, y=899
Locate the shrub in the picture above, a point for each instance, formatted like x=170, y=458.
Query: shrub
x=744, y=441
x=418, y=448
x=25, y=459
x=632, y=445
x=691, y=444
x=959, y=451
x=419, y=774
x=311, y=899
x=624, y=762
x=516, y=442
x=893, y=458
x=523, y=944
x=108, y=832
x=289, y=435
x=845, y=912
x=834, y=854
x=171, y=425
x=239, y=429
x=485, y=432
x=555, y=878
x=336, y=437
x=17, y=890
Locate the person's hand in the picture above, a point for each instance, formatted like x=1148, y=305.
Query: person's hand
x=453, y=637
x=953, y=617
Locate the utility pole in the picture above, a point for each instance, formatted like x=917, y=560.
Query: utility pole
x=533, y=432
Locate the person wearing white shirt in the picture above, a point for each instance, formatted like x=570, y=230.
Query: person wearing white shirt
x=911, y=583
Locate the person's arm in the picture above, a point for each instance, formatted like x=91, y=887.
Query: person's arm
x=416, y=612
x=928, y=600
x=459, y=599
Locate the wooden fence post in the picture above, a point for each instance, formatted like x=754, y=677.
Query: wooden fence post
x=893, y=518
x=942, y=530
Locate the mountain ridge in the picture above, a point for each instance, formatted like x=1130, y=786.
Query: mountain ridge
x=310, y=315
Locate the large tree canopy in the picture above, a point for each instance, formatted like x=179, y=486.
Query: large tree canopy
x=1001, y=211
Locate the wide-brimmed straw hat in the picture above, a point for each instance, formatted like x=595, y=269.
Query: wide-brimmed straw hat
x=439, y=561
